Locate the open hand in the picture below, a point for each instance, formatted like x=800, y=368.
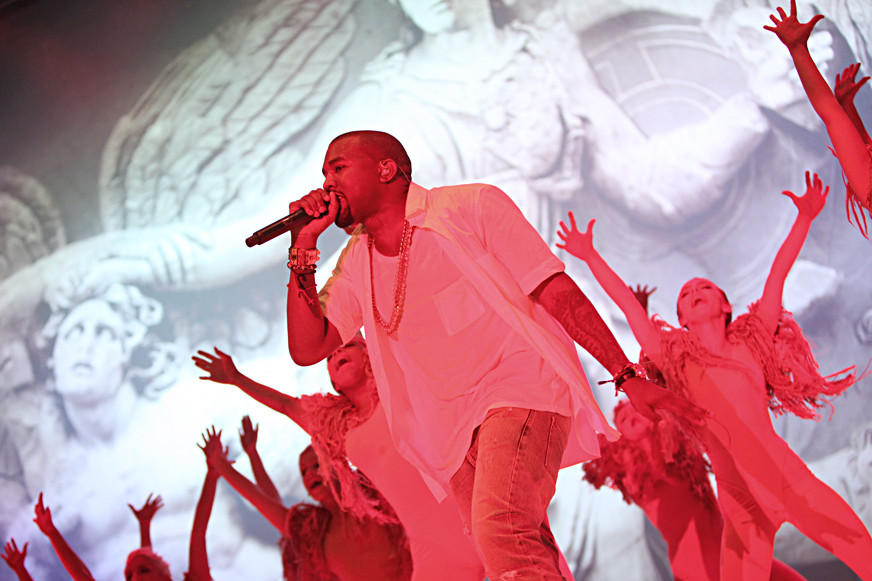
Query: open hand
x=846, y=86
x=213, y=449
x=219, y=366
x=578, y=244
x=248, y=434
x=789, y=29
x=13, y=557
x=151, y=506
x=812, y=202
x=642, y=293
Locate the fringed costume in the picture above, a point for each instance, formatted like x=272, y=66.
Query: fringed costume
x=793, y=380
x=761, y=482
x=308, y=524
x=856, y=205
x=634, y=470
x=331, y=418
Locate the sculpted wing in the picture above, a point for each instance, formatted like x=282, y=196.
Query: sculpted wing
x=211, y=137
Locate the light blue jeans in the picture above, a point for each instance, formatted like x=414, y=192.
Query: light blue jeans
x=503, y=489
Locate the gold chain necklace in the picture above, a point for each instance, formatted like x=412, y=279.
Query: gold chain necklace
x=399, y=281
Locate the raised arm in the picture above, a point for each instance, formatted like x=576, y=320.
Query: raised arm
x=221, y=369
x=248, y=438
x=847, y=141
x=15, y=559
x=649, y=399
x=144, y=516
x=580, y=245
x=845, y=89
x=69, y=559
x=809, y=205
x=272, y=510
x=198, y=557
x=311, y=337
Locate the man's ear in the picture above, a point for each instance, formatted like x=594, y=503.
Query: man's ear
x=387, y=169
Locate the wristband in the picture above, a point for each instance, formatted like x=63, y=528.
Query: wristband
x=302, y=260
x=628, y=371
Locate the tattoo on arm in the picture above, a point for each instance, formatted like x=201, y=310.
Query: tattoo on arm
x=586, y=327
x=307, y=289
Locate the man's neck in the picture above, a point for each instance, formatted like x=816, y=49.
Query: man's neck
x=386, y=228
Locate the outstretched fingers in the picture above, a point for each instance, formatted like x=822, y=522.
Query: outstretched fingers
x=789, y=29
x=12, y=555
x=572, y=220
x=210, y=435
x=782, y=16
x=815, y=197
x=204, y=360
x=212, y=446
x=846, y=85
x=219, y=366
x=248, y=433
x=152, y=505
x=642, y=293
x=575, y=242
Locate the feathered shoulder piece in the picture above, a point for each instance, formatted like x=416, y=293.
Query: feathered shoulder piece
x=793, y=379
x=331, y=417
x=634, y=468
x=678, y=348
x=303, y=543
x=307, y=525
x=858, y=204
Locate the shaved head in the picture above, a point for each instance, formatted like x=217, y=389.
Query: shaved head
x=380, y=146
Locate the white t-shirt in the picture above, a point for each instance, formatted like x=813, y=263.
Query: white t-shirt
x=471, y=338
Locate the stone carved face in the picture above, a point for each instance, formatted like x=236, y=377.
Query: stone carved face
x=90, y=354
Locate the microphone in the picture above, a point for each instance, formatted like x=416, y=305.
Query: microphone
x=290, y=222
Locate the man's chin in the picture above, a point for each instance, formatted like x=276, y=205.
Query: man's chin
x=344, y=219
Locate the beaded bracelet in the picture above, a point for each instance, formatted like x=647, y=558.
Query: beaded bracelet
x=628, y=371
x=302, y=260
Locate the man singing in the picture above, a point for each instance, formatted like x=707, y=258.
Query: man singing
x=470, y=322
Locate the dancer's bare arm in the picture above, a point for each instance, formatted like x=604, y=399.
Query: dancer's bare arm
x=248, y=439
x=580, y=245
x=69, y=559
x=15, y=559
x=845, y=89
x=809, y=205
x=221, y=369
x=198, y=557
x=847, y=141
x=272, y=510
x=144, y=515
